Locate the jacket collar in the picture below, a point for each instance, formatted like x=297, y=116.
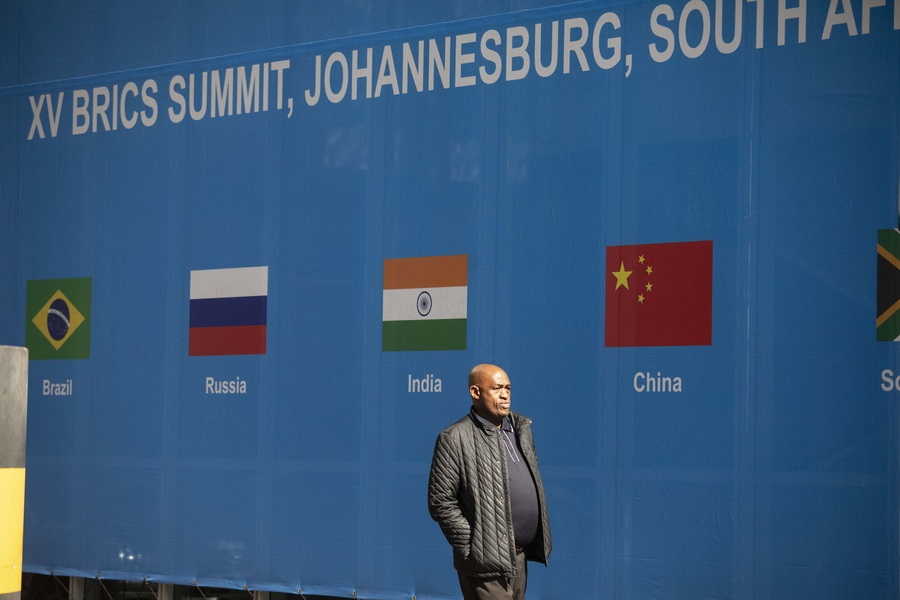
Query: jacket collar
x=515, y=420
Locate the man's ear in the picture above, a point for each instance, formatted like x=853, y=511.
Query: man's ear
x=475, y=392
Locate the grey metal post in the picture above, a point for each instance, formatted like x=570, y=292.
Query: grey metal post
x=13, y=402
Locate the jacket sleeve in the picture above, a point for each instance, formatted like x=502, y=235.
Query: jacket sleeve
x=444, y=485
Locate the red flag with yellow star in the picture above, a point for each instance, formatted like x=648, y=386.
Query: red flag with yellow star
x=659, y=294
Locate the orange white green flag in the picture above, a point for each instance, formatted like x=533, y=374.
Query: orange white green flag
x=425, y=303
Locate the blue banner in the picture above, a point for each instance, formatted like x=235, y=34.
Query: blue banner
x=252, y=287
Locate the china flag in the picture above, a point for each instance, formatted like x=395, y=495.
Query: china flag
x=659, y=294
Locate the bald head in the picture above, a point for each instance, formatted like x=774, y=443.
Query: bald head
x=490, y=390
x=478, y=372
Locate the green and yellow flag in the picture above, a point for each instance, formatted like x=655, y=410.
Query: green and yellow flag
x=58, y=318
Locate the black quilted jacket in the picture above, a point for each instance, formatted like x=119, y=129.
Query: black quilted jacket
x=468, y=495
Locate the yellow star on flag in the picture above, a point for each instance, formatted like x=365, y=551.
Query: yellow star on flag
x=621, y=276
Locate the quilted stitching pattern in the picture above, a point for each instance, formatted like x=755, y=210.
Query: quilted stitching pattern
x=468, y=496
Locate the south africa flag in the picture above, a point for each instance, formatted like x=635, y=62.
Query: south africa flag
x=888, y=312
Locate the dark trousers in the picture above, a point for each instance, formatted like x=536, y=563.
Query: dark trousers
x=500, y=588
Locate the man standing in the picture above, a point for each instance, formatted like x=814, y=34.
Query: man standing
x=485, y=492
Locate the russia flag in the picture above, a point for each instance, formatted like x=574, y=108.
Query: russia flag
x=228, y=311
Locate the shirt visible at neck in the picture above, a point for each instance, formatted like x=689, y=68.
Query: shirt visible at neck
x=522, y=490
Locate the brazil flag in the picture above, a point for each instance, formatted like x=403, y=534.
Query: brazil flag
x=58, y=318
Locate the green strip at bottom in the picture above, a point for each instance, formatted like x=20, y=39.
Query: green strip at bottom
x=889, y=331
x=437, y=334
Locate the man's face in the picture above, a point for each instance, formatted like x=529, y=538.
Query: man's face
x=491, y=394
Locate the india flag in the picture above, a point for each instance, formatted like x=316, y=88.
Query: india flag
x=425, y=303
x=228, y=311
